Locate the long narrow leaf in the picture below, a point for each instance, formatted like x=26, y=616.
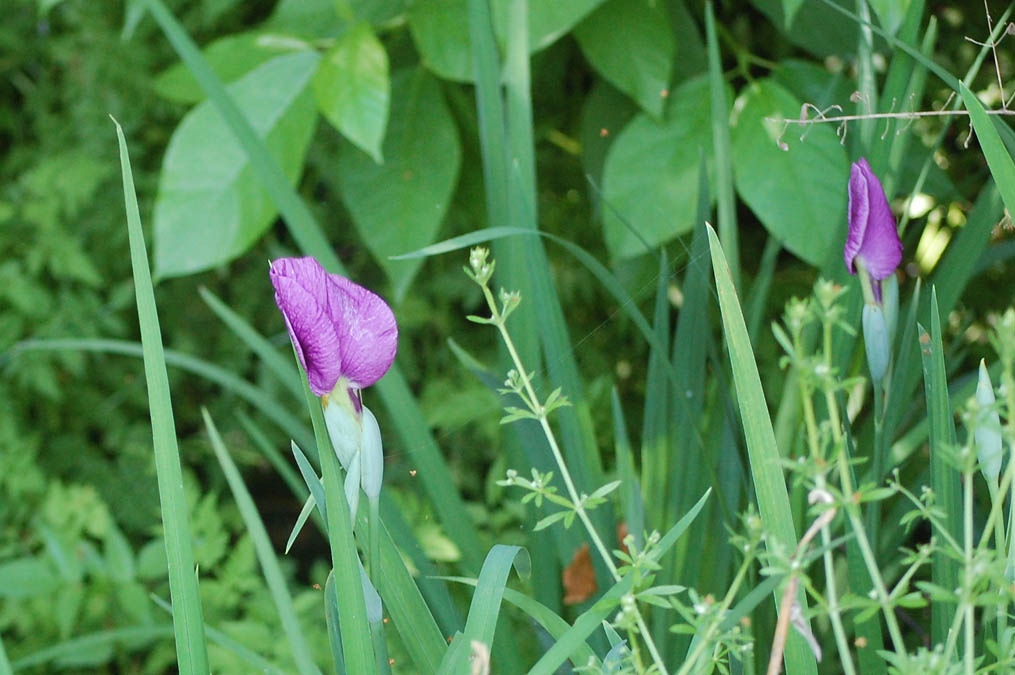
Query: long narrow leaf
x=766, y=466
x=544, y=616
x=1000, y=162
x=265, y=553
x=191, y=650
x=485, y=608
x=944, y=476
x=269, y=355
x=191, y=364
x=357, y=647
x=133, y=637
x=571, y=641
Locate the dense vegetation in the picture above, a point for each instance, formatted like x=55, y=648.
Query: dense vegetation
x=617, y=128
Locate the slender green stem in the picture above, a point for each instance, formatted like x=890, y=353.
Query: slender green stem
x=814, y=440
x=558, y=456
x=851, y=507
x=833, y=600
x=877, y=461
x=727, y=600
x=967, y=590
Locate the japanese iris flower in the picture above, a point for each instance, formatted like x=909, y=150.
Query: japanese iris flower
x=873, y=251
x=345, y=337
x=872, y=243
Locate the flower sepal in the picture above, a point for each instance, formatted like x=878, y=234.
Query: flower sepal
x=876, y=343
x=344, y=421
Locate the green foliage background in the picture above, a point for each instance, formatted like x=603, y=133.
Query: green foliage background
x=621, y=121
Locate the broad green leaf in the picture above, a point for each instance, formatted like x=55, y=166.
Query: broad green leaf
x=549, y=20
x=650, y=179
x=440, y=29
x=689, y=60
x=322, y=18
x=637, y=60
x=210, y=206
x=399, y=205
x=814, y=25
x=890, y=13
x=351, y=87
x=798, y=194
x=789, y=10
x=230, y=57
x=307, y=18
x=604, y=113
x=812, y=82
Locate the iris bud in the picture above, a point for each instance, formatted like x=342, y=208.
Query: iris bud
x=987, y=428
x=875, y=338
x=373, y=456
x=343, y=423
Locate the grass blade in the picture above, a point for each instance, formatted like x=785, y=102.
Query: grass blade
x=273, y=456
x=357, y=647
x=191, y=364
x=1002, y=168
x=134, y=637
x=655, y=466
x=267, y=352
x=766, y=467
x=944, y=476
x=571, y=641
x=630, y=491
x=544, y=616
x=265, y=553
x=334, y=630
x=191, y=650
x=485, y=608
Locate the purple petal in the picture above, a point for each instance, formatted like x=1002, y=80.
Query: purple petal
x=872, y=232
x=339, y=328
x=368, y=334
x=301, y=293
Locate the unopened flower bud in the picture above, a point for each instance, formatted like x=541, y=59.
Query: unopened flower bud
x=343, y=423
x=373, y=456
x=875, y=338
x=987, y=428
x=352, y=481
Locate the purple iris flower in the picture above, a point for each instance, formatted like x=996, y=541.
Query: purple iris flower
x=342, y=332
x=873, y=240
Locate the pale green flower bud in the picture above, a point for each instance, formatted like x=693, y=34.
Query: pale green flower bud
x=875, y=339
x=343, y=422
x=373, y=455
x=352, y=481
x=987, y=428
